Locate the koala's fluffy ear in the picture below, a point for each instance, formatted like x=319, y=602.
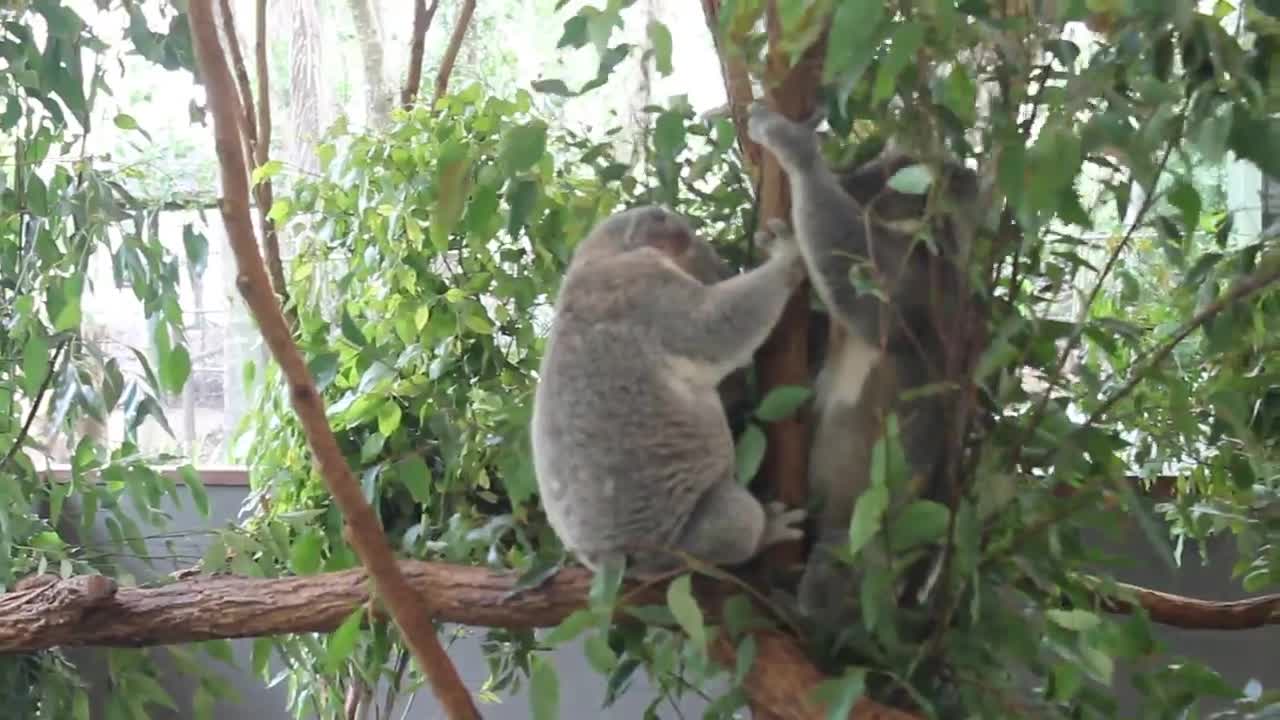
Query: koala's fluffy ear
x=672, y=241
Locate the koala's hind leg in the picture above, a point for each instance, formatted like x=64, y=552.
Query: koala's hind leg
x=729, y=526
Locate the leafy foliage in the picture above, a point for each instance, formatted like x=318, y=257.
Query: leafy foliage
x=60, y=211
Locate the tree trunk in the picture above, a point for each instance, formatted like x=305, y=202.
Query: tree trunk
x=308, y=97
x=369, y=35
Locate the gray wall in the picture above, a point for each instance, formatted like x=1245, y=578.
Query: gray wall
x=1239, y=656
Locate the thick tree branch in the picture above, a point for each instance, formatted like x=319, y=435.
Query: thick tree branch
x=422, y=18
x=411, y=610
x=208, y=607
x=451, y=52
x=784, y=358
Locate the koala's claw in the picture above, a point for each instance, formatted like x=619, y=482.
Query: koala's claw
x=781, y=523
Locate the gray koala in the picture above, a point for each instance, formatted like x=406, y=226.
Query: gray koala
x=631, y=446
x=879, y=343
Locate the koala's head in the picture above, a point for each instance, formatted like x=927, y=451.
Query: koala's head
x=656, y=227
x=868, y=183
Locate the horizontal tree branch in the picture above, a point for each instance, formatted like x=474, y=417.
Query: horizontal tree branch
x=92, y=611
x=1194, y=614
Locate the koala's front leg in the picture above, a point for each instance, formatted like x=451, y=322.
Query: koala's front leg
x=729, y=526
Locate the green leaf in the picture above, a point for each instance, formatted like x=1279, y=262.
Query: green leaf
x=552, y=86
x=749, y=453
x=840, y=694
x=175, y=368
x=343, y=641
x=575, y=32
x=920, y=522
x=570, y=628
x=858, y=24
x=304, y=555
x=453, y=183
x=867, y=516
x=782, y=401
x=197, y=248
x=478, y=324
x=906, y=40
x=351, y=331
x=195, y=486
x=63, y=303
x=389, y=417
x=960, y=95
x=686, y=611
x=544, y=689
x=746, y=656
x=1078, y=620
x=660, y=40
x=125, y=122
x=523, y=146
x=35, y=364
x=266, y=171
x=521, y=198
x=912, y=180
x=605, y=584
x=669, y=135
x=416, y=476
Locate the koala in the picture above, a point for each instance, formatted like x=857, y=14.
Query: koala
x=879, y=344
x=632, y=450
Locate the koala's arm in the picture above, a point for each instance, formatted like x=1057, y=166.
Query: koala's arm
x=832, y=229
x=725, y=323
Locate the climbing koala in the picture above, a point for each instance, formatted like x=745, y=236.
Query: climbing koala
x=879, y=344
x=632, y=450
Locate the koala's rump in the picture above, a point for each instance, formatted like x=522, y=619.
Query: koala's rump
x=626, y=447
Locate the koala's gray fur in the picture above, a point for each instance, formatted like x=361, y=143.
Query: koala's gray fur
x=631, y=446
x=848, y=225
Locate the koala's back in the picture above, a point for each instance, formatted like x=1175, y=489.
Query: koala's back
x=627, y=440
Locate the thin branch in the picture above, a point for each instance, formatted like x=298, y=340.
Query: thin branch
x=737, y=86
x=25, y=430
x=247, y=122
x=411, y=610
x=451, y=52
x=1037, y=416
x=264, y=190
x=207, y=607
x=1195, y=614
x=1256, y=282
x=422, y=19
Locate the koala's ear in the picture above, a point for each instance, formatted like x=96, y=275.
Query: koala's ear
x=672, y=242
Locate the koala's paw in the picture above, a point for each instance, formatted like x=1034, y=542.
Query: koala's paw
x=780, y=242
x=782, y=524
x=760, y=117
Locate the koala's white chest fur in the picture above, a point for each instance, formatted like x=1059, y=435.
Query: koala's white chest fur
x=845, y=374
